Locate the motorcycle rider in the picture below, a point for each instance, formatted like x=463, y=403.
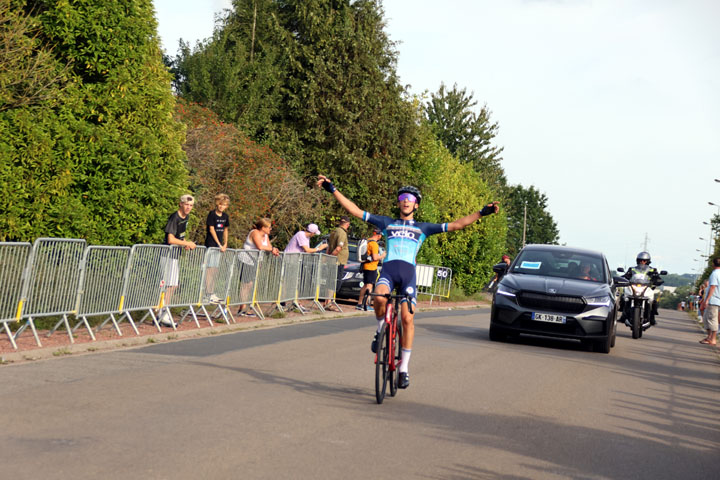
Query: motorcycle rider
x=643, y=266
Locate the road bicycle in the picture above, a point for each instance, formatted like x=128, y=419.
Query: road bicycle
x=389, y=345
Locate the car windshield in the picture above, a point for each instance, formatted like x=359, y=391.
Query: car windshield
x=560, y=263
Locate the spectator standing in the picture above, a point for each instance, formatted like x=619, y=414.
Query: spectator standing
x=216, y=235
x=175, y=236
x=370, y=267
x=257, y=239
x=338, y=246
x=711, y=305
x=300, y=242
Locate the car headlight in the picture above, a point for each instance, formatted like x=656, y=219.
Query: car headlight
x=603, y=301
x=505, y=290
x=347, y=275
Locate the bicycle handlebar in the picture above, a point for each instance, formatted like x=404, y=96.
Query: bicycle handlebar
x=391, y=297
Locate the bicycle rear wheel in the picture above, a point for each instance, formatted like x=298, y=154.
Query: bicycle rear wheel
x=381, y=364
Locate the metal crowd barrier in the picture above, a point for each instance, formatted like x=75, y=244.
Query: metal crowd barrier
x=327, y=279
x=291, y=263
x=184, y=287
x=59, y=277
x=308, y=280
x=101, y=285
x=13, y=261
x=433, y=280
x=219, y=273
x=242, y=290
x=269, y=279
x=144, y=282
x=52, y=281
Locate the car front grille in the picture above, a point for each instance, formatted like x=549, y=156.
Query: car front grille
x=554, y=303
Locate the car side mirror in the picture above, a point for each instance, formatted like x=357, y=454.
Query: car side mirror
x=663, y=272
x=620, y=269
x=621, y=281
x=500, y=268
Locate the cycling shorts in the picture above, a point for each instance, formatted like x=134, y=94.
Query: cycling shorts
x=400, y=275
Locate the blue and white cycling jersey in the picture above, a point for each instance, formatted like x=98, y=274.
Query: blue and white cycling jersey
x=403, y=237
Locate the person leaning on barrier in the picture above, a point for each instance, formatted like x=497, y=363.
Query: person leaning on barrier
x=300, y=242
x=338, y=246
x=257, y=239
x=175, y=236
x=216, y=227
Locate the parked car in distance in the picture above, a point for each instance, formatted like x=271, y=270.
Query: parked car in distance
x=353, y=276
x=557, y=291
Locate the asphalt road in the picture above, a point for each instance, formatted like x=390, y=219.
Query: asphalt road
x=298, y=402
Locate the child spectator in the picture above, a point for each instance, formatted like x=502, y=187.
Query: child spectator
x=216, y=235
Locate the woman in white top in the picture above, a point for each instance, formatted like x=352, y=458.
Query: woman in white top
x=259, y=237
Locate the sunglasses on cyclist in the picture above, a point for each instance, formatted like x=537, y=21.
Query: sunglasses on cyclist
x=407, y=196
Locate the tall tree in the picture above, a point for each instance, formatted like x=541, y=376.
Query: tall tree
x=537, y=222
x=334, y=105
x=103, y=161
x=467, y=134
x=451, y=190
x=239, y=71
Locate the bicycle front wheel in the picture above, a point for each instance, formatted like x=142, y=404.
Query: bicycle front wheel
x=381, y=364
x=396, y=356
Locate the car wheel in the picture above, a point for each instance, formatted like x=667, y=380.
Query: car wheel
x=495, y=334
x=603, y=346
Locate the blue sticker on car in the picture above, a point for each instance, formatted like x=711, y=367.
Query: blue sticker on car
x=531, y=265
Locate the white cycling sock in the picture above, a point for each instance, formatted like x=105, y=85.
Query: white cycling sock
x=381, y=322
x=405, y=360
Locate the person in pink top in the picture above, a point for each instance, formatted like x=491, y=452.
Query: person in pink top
x=300, y=242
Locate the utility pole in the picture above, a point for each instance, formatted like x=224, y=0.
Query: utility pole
x=524, y=223
x=645, y=244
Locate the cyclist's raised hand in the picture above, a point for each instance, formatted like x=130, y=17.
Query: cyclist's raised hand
x=324, y=182
x=490, y=208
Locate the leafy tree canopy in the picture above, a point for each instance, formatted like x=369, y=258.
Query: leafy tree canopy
x=101, y=161
x=452, y=190
x=316, y=81
x=466, y=134
x=540, y=227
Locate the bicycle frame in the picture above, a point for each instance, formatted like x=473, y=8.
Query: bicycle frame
x=391, y=363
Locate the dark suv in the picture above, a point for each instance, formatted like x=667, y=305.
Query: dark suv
x=556, y=291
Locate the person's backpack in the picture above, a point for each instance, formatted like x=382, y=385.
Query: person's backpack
x=362, y=251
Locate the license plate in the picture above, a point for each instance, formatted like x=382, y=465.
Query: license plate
x=547, y=317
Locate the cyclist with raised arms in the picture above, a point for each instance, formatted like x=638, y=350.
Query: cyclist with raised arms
x=404, y=237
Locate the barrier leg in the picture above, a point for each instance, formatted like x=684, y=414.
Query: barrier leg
x=207, y=315
x=115, y=324
x=9, y=334
x=132, y=322
x=32, y=327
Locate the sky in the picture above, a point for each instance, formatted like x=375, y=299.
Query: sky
x=611, y=108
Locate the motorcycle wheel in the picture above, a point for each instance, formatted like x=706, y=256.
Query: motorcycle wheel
x=636, y=325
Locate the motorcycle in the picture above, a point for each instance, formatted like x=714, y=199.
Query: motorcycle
x=637, y=300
